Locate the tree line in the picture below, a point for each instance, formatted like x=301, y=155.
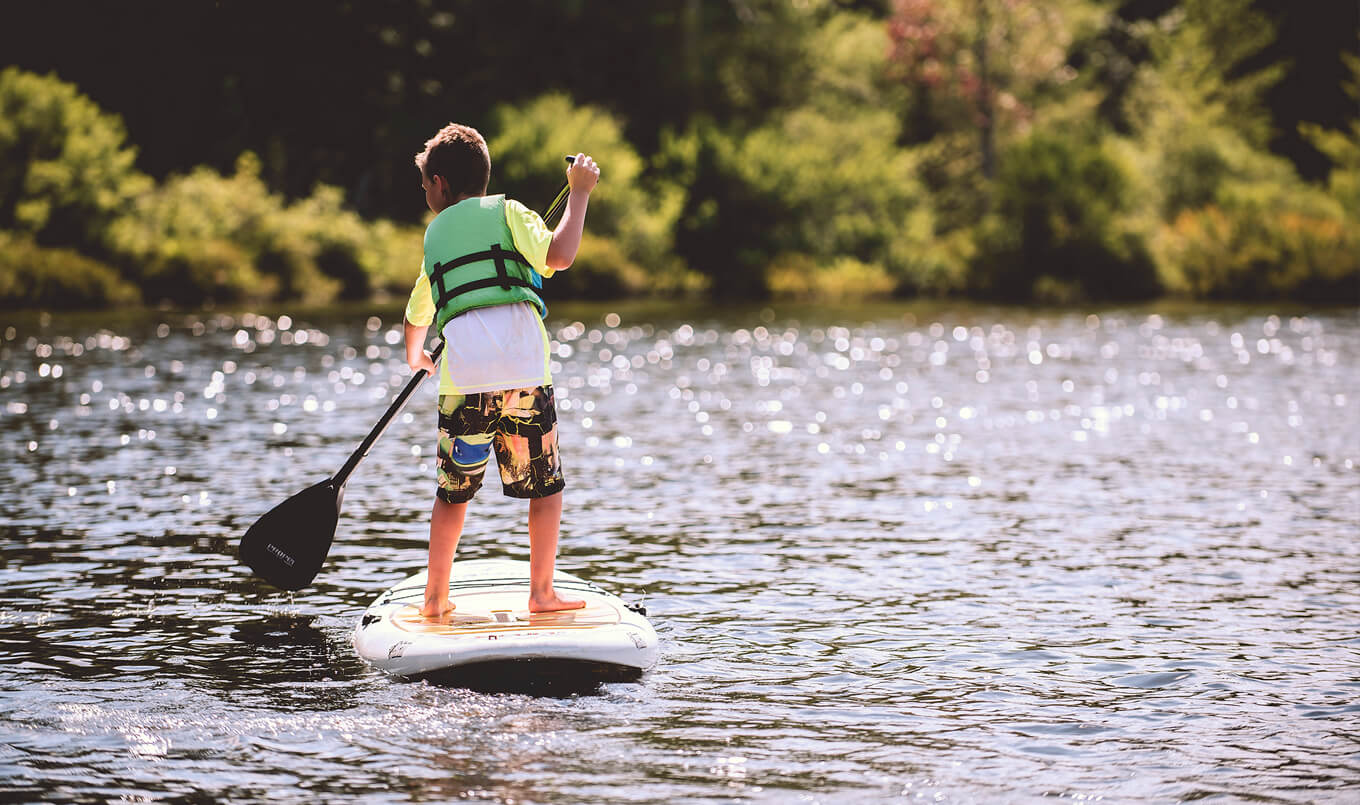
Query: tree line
x=1054, y=151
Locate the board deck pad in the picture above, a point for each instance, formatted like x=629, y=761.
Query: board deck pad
x=480, y=613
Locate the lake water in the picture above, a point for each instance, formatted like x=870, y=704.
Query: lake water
x=941, y=553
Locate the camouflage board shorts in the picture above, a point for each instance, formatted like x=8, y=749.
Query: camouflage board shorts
x=520, y=424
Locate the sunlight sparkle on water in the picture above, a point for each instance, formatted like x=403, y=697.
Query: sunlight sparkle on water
x=1130, y=526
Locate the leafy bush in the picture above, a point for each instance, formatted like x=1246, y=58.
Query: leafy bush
x=64, y=171
x=394, y=256
x=797, y=276
x=207, y=236
x=1255, y=251
x=601, y=271
x=341, y=246
x=1058, y=220
x=199, y=236
x=1192, y=163
x=66, y=179
x=826, y=187
x=634, y=212
x=1227, y=219
x=1343, y=148
x=35, y=276
x=725, y=227
x=842, y=186
x=818, y=188
x=1235, y=222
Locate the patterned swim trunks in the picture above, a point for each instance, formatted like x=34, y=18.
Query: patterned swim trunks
x=520, y=424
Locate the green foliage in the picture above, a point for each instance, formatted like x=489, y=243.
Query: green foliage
x=850, y=71
x=632, y=216
x=226, y=238
x=65, y=178
x=1201, y=53
x=1057, y=227
x=1260, y=255
x=1343, y=148
x=64, y=171
x=816, y=149
x=393, y=257
x=601, y=271
x=796, y=276
x=724, y=231
x=983, y=66
x=363, y=257
x=864, y=202
x=1264, y=241
x=199, y=236
x=950, y=168
x=1223, y=217
x=763, y=64
x=822, y=185
x=1239, y=223
x=36, y=276
x=1197, y=128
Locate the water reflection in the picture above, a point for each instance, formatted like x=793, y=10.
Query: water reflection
x=892, y=552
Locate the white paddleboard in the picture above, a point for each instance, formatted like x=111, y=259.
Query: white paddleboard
x=491, y=638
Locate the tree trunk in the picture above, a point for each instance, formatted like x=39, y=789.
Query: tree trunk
x=986, y=118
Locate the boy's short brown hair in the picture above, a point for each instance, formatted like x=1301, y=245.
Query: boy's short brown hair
x=459, y=154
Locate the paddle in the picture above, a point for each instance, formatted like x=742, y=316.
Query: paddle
x=288, y=544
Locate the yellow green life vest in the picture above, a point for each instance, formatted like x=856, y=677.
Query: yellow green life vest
x=471, y=261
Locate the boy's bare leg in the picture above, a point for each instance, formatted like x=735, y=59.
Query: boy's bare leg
x=446, y=526
x=545, y=518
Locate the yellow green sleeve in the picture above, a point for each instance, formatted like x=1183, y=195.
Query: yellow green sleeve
x=532, y=237
x=420, y=307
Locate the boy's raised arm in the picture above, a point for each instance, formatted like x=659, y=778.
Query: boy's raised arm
x=582, y=175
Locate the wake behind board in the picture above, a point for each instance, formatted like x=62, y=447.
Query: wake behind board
x=492, y=641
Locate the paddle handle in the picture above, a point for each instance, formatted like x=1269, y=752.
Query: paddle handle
x=338, y=480
x=559, y=203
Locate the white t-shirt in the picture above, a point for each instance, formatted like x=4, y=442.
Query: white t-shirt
x=491, y=348
x=494, y=348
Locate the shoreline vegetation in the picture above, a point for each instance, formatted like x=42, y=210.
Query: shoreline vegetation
x=926, y=154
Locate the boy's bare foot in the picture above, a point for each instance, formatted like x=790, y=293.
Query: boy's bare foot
x=436, y=609
x=553, y=602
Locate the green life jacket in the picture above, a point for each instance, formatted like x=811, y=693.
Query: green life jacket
x=471, y=261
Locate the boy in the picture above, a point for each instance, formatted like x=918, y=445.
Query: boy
x=484, y=260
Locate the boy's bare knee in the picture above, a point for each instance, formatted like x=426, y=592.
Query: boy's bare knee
x=548, y=501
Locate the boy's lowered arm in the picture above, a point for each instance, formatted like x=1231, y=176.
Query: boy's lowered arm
x=417, y=357
x=566, y=241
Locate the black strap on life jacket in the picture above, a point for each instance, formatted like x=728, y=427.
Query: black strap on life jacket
x=502, y=278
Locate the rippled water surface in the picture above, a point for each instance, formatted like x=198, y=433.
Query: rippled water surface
x=958, y=554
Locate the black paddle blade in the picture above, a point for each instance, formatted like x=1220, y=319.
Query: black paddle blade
x=287, y=546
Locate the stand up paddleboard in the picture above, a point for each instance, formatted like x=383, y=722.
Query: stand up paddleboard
x=491, y=640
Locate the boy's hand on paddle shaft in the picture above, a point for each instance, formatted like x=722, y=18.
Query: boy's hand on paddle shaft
x=416, y=355
x=422, y=361
x=582, y=174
